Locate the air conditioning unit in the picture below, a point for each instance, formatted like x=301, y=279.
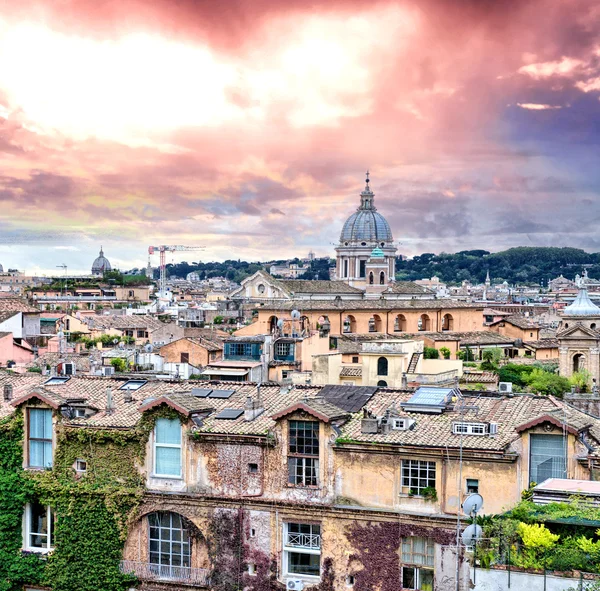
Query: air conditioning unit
x=295, y=584
x=108, y=370
x=505, y=387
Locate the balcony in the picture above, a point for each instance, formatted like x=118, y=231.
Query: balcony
x=308, y=541
x=434, y=379
x=385, y=347
x=144, y=571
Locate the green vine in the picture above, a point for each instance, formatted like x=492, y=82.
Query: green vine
x=92, y=510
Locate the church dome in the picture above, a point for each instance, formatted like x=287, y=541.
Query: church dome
x=101, y=264
x=377, y=253
x=582, y=306
x=366, y=224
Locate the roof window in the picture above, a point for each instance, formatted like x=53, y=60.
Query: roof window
x=56, y=381
x=466, y=428
x=133, y=385
x=230, y=414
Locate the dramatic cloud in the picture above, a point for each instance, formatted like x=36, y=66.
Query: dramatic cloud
x=246, y=126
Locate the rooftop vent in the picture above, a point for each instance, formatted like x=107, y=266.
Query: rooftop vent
x=56, y=381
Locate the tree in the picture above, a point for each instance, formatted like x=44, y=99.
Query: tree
x=445, y=352
x=431, y=353
x=119, y=364
x=543, y=382
x=218, y=320
x=491, y=357
x=581, y=380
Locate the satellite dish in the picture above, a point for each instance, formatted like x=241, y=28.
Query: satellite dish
x=295, y=315
x=471, y=534
x=472, y=504
x=280, y=323
x=121, y=345
x=148, y=348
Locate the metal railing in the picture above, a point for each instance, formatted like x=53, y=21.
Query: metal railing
x=146, y=571
x=310, y=541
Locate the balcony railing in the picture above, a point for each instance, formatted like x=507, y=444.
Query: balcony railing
x=310, y=541
x=162, y=572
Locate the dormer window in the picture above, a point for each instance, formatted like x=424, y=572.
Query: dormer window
x=303, y=453
x=39, y=423
x=167, y=448
x=462, y=428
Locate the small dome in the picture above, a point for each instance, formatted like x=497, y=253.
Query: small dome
x=377, y=253
x=582, y=306
x=101, y=264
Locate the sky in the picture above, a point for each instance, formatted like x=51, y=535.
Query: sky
x=246, y=126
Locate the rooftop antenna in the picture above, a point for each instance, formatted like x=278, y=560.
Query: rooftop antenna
x=64, y=268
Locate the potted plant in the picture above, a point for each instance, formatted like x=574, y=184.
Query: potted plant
x=429, y=493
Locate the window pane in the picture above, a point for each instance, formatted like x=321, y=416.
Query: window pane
x=304, y=564
x=40, y=423
x=547, y=458
x=168, y=461
x=408, y=578
x=168, y=431
x=167, y=549
x=426, y=580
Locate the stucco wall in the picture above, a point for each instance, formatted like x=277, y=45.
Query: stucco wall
x=497, y=580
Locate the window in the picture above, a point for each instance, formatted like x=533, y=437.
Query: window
x=469, y=428
x=381, y=278
x=252, y=569
x=547, y=458
x=399, y=424
x=284, y=351
x=170, y=547
x=382, y=366
x=167, y=448
x=56, y=381
x=80, y=466
x=472, y=486
x=302, y=549
x=382, y=384
x=417, y=563
x=371, y=278
x=132, y=385
x=40, y=437
x=39, y=528
x=252, y=532
x=141, y=334
x=303, y=453
x=362, y=269
x=129, y=333
x=350, y=580
x=184, y=358
x=355, y=359
x=417, y=475
x=252, y=468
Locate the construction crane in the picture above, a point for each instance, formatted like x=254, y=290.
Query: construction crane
x=162, y=251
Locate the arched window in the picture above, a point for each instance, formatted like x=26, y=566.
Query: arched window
x=424, y=322
x=382, y=278
x=400, y=323
x=273, y=323
x=371, y=279
x=382, y=384
x=447, y=322
x=578, y=362
x=382, y=366
x=170, y=545
x=349, y=324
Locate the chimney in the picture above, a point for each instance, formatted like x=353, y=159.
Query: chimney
x=8, y=392
x=253, y=408
x=404, y=381
x=128, y=396
x=109, y=401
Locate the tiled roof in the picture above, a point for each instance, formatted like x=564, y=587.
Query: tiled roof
x=132, y=321
x=314, y=406
x=295, y=286
x=351, y=372
x=81, y=361
x=509, y=412
x=408, y=287
x=379, y=304
x=542, y=344
x=479, y=377
x=485, y=337
x=518, y=321
x=16, y=305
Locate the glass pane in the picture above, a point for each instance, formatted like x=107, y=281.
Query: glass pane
x=40, y=423
x=168, y=461
x=168, y=431
x=304, y=564
x=547, y=458
x=426, y=580
x=408, y=578
x=37, y=454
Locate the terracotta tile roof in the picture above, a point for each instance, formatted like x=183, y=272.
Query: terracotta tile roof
x=476, y=377
x=6, y=315
x=379, y=304
x=16, y=305
x=542, y=344
x=294, y=286
x=123, y=322
x=351, y=372
x=81, y=361
x=408, y=287
x=315, y=406
x=434, y=431
x=519, y=321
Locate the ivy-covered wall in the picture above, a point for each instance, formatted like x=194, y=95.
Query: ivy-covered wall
x=92, y=511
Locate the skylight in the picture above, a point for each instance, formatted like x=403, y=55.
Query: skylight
x=57, y=381
x=428, y=399
x=230, y=413
x=221, y=394
x=133, y=385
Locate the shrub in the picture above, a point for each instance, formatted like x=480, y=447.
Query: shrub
x=537, y=536
x=431, y=353
x=445, y=352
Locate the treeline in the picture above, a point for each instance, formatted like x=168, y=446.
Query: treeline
x=523, y=264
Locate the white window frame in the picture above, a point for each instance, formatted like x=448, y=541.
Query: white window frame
x=417, y=561
x=78, y=467
x=27, y=533
x=313, y=547
x=462, y=428
x=423, y=466
x=399, y=424
x=178, y=446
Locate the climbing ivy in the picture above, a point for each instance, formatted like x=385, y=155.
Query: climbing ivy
x=92, y=511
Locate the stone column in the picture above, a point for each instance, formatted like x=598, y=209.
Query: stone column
x=564, y=367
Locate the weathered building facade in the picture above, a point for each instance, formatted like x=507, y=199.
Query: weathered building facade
x=234, y=485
